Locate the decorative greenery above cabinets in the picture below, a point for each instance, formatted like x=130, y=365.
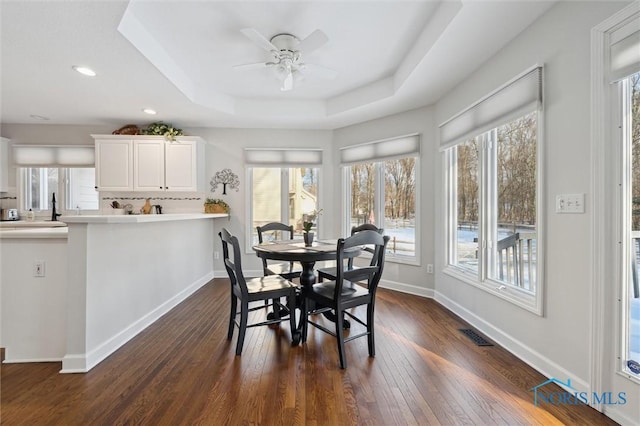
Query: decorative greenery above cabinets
x=149, y=163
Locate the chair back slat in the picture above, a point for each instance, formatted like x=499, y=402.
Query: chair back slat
x=233, y=265
x=284, y=231
x=365, y=227
x=371, y=273
x=276, y=228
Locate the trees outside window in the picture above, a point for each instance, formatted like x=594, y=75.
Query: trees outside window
x=493, y=197
x=383, y=193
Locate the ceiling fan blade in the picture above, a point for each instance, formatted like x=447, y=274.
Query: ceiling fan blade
x=258, y=39
x=312, y=42
x=315, y=70
x=256, y=65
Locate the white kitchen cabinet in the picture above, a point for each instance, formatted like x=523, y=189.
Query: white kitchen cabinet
x=156, y=164
x=4, y=164
x=114, y=164
x=148, y=170
x=184, y=166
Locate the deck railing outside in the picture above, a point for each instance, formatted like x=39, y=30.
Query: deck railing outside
x=517, y=260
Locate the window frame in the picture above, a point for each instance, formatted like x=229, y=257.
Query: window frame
x=620, y=111
x=61, y=193
x=379, y=187
x=482, y=279
x=284, y=198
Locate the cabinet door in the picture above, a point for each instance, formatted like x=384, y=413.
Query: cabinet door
x=114, y=165
x=148, y=171
x=181, y=166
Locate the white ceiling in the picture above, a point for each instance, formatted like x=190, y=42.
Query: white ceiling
x=177, y=57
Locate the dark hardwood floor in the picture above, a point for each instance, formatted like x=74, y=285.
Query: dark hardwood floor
x=183, y=371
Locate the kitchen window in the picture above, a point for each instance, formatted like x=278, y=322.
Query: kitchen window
x=67, y=170
x=492, y=182
x=74, y=189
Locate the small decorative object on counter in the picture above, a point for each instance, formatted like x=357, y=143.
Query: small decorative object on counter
x=31, y=216
x=146, y=209
x=117, y=208
x=161, y=129
x=225, y=177
x=216, y=206
x=308, y=224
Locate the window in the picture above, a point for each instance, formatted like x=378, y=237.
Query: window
x=630, y=99
x=492, y=189
x=67, y=170
x=74, y=188
x=283, y=187
x=382, y=191
x=287, y=195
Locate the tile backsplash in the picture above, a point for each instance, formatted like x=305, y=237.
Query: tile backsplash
x=171, y=202
x=8, y=200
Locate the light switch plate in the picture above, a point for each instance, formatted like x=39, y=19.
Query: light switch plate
x=570, y=203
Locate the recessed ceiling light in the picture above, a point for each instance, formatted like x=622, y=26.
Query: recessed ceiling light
x=39, y=117
x=84, y=70
x=149, y=111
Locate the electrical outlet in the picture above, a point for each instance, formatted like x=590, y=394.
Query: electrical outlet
x=216, y=255
x=38, y=268
x=429, y=268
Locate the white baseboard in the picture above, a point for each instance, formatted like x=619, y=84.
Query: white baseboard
x=22, y=360
x=81, y=363
x=534, y=359
x=407, y=288
x=620, y=418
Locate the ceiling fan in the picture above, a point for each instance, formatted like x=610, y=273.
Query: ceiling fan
x=287, y=51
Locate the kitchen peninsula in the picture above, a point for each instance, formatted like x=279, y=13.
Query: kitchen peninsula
x=122, y=274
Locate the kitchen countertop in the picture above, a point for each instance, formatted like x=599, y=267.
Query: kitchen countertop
x=51, y=232
x=139, y=218
x=11, y=224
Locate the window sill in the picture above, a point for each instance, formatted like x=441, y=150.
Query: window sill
x=520, y=298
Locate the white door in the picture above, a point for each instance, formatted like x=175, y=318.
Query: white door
x=149, y=165
x=181, y=166
x=114, y=165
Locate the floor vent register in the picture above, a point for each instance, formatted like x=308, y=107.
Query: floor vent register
x=475, y=337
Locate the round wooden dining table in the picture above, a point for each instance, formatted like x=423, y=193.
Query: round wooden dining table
x=297, y=251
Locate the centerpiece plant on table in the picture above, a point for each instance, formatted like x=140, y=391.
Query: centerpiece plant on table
x=308, y=223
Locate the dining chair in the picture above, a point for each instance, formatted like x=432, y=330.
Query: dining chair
x=278, y=231
x=344, y=293
x=330, y=272
x=244, y=291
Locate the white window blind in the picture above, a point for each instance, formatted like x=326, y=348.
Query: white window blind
x=54, y=155
x=516, y=98
x=282, y=157
x=387, y=149
x=625, y=50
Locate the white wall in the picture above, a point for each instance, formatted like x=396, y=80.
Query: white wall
x=558, y=342
x=408, y=278
x=34, y=317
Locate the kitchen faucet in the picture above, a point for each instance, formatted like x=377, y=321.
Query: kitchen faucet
x=54, y=215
